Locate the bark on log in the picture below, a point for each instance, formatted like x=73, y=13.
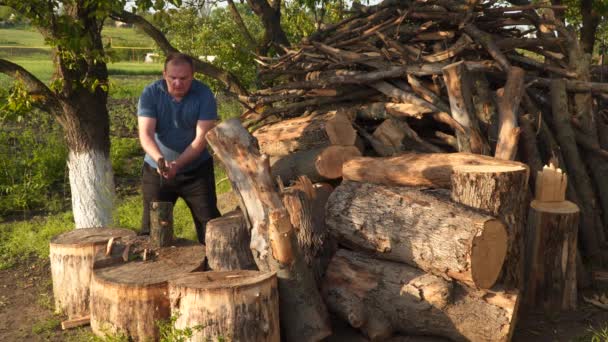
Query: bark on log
x=131, y=298
x=508, y=104
x=304, y=316
x=306, y=133
x=305, y=203
x=500, y=191
x=161, y=224
x=359, y=288
x=485, y=107
x=432, y=170
x=230, y=305
x=227, y=240
x=72, y=255
x=461, y=103
x=397, y=136
x=421, y=228
x=552, y=250
x=576, y=168
x=319, y=164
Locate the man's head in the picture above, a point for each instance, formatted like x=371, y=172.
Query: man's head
x=178, y=73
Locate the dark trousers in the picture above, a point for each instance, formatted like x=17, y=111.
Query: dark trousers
x=196, y=188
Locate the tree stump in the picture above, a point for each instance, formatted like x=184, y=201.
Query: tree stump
x=227, y=240
x=553, y=229
x=499, y=191
x=383, y=297
x=421, y=228
x=72, y=255
x=231, y=305
x=161, y=224
x=130, y=298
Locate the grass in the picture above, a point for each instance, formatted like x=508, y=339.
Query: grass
x=119, y=37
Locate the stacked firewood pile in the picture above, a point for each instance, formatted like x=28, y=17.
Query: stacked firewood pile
x=445, y=76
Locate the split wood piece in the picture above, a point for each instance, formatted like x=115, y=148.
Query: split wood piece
x=75, y=322
x=420, y=228
x=161, y=224
x=319, y=164
x=72, y=255
x=509, y=99
x=273, y=240
x=227, y=239
x=552, y=250
x=551, y=184
x=230, y=305
x=131, y=298
x=485, y=107
x=411, y=169
x=382, y=298
x=306, y=133
x=461, y=103
x=305, y=203
x=397, y=136
x=500, y=191
x=576, y=168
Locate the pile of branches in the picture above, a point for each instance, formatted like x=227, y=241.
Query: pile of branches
x=510, y=82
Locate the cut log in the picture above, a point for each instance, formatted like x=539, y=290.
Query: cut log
x=461, y=103
x=551, y=273
x=306, y=206
x=227, y=306
x=382, y=298
x=72, y=256
x=306, y=133
x=500, y=191
x=227, y=239
x=161, y=224
x=132, y=297
x=432, y=170
x=304, y=316
x=319, y=164
x=421, y=228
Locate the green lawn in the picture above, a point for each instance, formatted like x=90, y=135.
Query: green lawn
x=119, y=36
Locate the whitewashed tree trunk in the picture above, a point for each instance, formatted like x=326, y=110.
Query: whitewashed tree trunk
x=92, y=187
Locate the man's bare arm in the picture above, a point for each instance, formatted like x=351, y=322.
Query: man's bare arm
x=146, y=129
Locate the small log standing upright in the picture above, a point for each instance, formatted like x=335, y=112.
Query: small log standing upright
x=552, y=245
x=499, y=191
x=72, y=255
x=130, y=298
x=161, y=224
x=227, y=239
x=233, y=305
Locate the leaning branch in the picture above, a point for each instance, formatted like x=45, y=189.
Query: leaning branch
x=227, y=78
x=45, y=98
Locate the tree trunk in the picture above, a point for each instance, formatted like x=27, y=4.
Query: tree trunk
x=230, y=306
x=500, y=191
x=161, y=224
x=319, y=164
x=273, y=240
x=421, y=228
x=227, y=240
x=381, y=298
x=552, y=250
x=72, y=255
x=131, y=298
x=461, y=102
x=306, y=133
x=410, y=169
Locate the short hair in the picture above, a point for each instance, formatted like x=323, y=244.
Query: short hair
x=179, y=58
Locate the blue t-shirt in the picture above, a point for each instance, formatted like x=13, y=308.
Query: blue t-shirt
x=176, y=121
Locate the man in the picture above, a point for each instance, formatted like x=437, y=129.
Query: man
x=174, y=115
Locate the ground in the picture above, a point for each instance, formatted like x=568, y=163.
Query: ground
x=26, y=312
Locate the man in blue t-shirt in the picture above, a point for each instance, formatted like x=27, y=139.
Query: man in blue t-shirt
x=174, y=115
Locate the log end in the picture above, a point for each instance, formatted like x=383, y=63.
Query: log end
x=329, y=162
x=488, y=254
x=564, y=207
